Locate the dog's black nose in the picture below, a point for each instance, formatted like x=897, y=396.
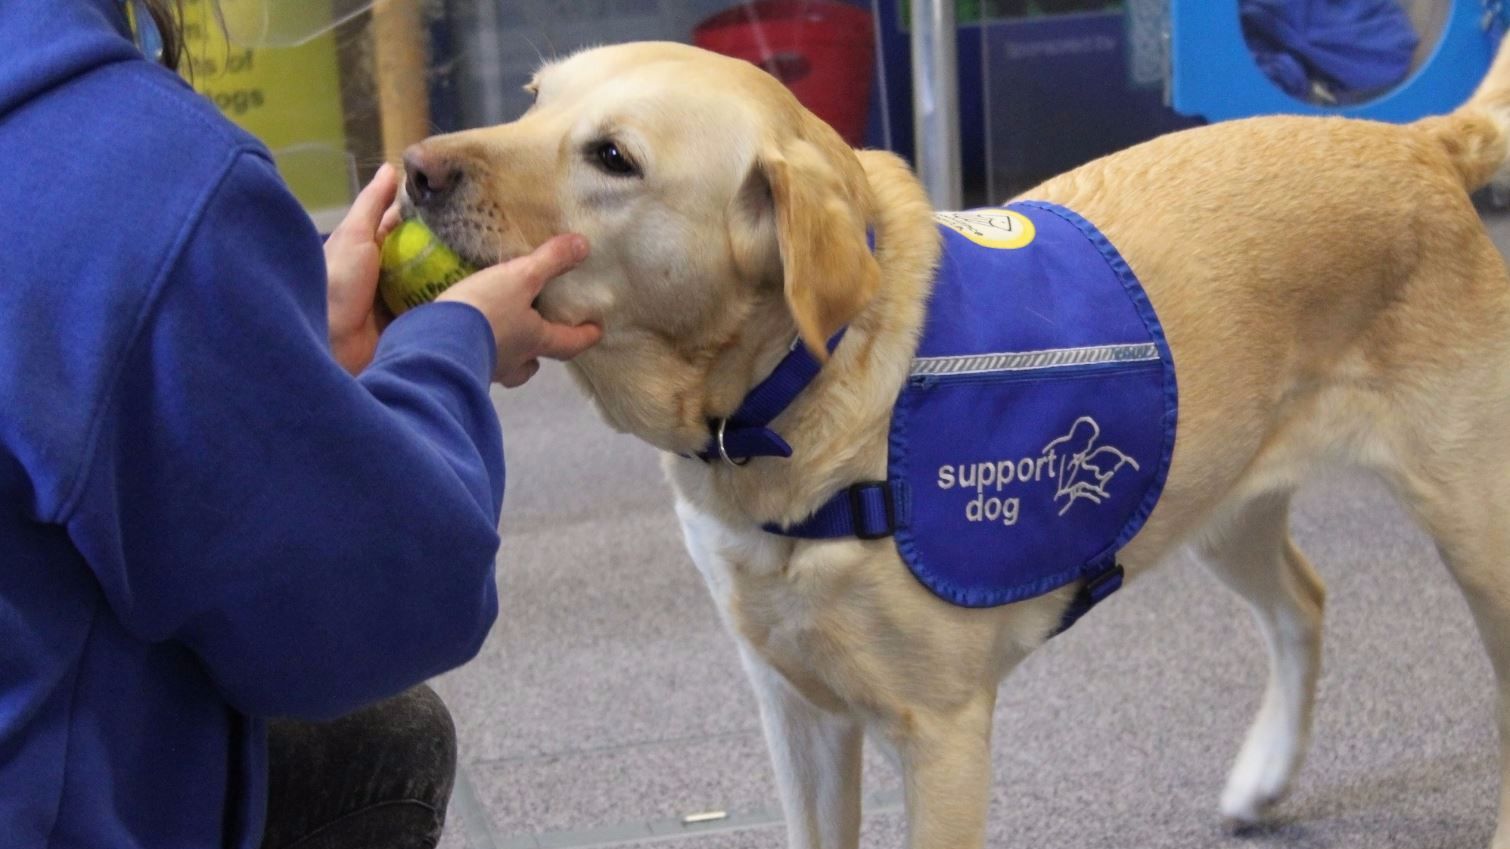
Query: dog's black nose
x=431, y=178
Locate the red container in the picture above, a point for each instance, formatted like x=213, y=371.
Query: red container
x=822, y=49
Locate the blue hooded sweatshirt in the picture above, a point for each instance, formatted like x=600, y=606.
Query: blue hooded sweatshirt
x=204, y=521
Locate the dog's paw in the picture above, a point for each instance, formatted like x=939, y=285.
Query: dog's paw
x=1269, y=759
x=1251, y=793
x=1244, y=815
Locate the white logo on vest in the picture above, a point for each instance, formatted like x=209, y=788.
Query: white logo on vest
x=1088, y=470
x=1079, y=468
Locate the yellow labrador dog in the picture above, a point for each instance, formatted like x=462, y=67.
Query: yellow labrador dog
x=1326, y=287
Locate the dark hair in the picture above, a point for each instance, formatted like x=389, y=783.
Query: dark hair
x=168, y=15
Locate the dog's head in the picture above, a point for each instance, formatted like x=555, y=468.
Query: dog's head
x=717, y=207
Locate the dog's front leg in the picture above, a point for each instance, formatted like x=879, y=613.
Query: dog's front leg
x=946, y=769
x=817, y=757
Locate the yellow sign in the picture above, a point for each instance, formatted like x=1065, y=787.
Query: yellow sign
x=992, y=228
x=289, y=97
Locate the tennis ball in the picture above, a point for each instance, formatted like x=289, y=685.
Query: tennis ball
x=417, y=267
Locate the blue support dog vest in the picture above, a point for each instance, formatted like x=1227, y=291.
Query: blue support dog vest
x=1033, y=436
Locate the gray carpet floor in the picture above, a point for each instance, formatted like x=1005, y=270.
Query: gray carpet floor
x=608, y=703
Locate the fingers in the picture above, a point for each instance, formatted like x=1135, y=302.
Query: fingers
x=555, y=257
x=528, y=274
x=519, y=375
x=505, y=294
x=563, y=341
x=369, y=209
x=391, y=219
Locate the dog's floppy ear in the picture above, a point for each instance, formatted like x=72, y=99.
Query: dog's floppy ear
x=822, y=203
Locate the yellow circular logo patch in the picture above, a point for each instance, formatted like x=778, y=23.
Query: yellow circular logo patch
x=1003, y=229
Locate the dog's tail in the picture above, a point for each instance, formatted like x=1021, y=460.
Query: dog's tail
x=1477, y=135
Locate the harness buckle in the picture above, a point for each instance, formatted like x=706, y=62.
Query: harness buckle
x=1091, y=593
x=1104, y=584
x=857, y=509
x=724, y=452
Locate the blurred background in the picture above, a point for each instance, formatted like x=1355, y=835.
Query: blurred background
x=608, y=708
x=1014, y=91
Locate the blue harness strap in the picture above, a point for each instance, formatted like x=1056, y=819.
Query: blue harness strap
x=1091, y=593
x=867, y=510
x=875, y=509
x=745, y=433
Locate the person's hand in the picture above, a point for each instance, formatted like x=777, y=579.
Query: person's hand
x=505, y=294
x=353, y=257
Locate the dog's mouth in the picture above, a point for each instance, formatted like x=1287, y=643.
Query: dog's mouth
x=479, y=259
x=462, y=237
x=464, y=244
x=465, y=239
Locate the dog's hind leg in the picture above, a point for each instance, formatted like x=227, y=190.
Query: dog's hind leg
x=1485, y=580
x=1467, y=514
x=817, y=757
x=1252, y=554
x=1487, y=587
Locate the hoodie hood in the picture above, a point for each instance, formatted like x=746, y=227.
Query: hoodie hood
x=40, y=50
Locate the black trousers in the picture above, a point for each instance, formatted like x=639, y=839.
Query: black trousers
x=377, y=779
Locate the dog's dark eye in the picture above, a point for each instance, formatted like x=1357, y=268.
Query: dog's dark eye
x=613, y=160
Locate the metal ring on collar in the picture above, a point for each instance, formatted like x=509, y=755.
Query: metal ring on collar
x=723, y=452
